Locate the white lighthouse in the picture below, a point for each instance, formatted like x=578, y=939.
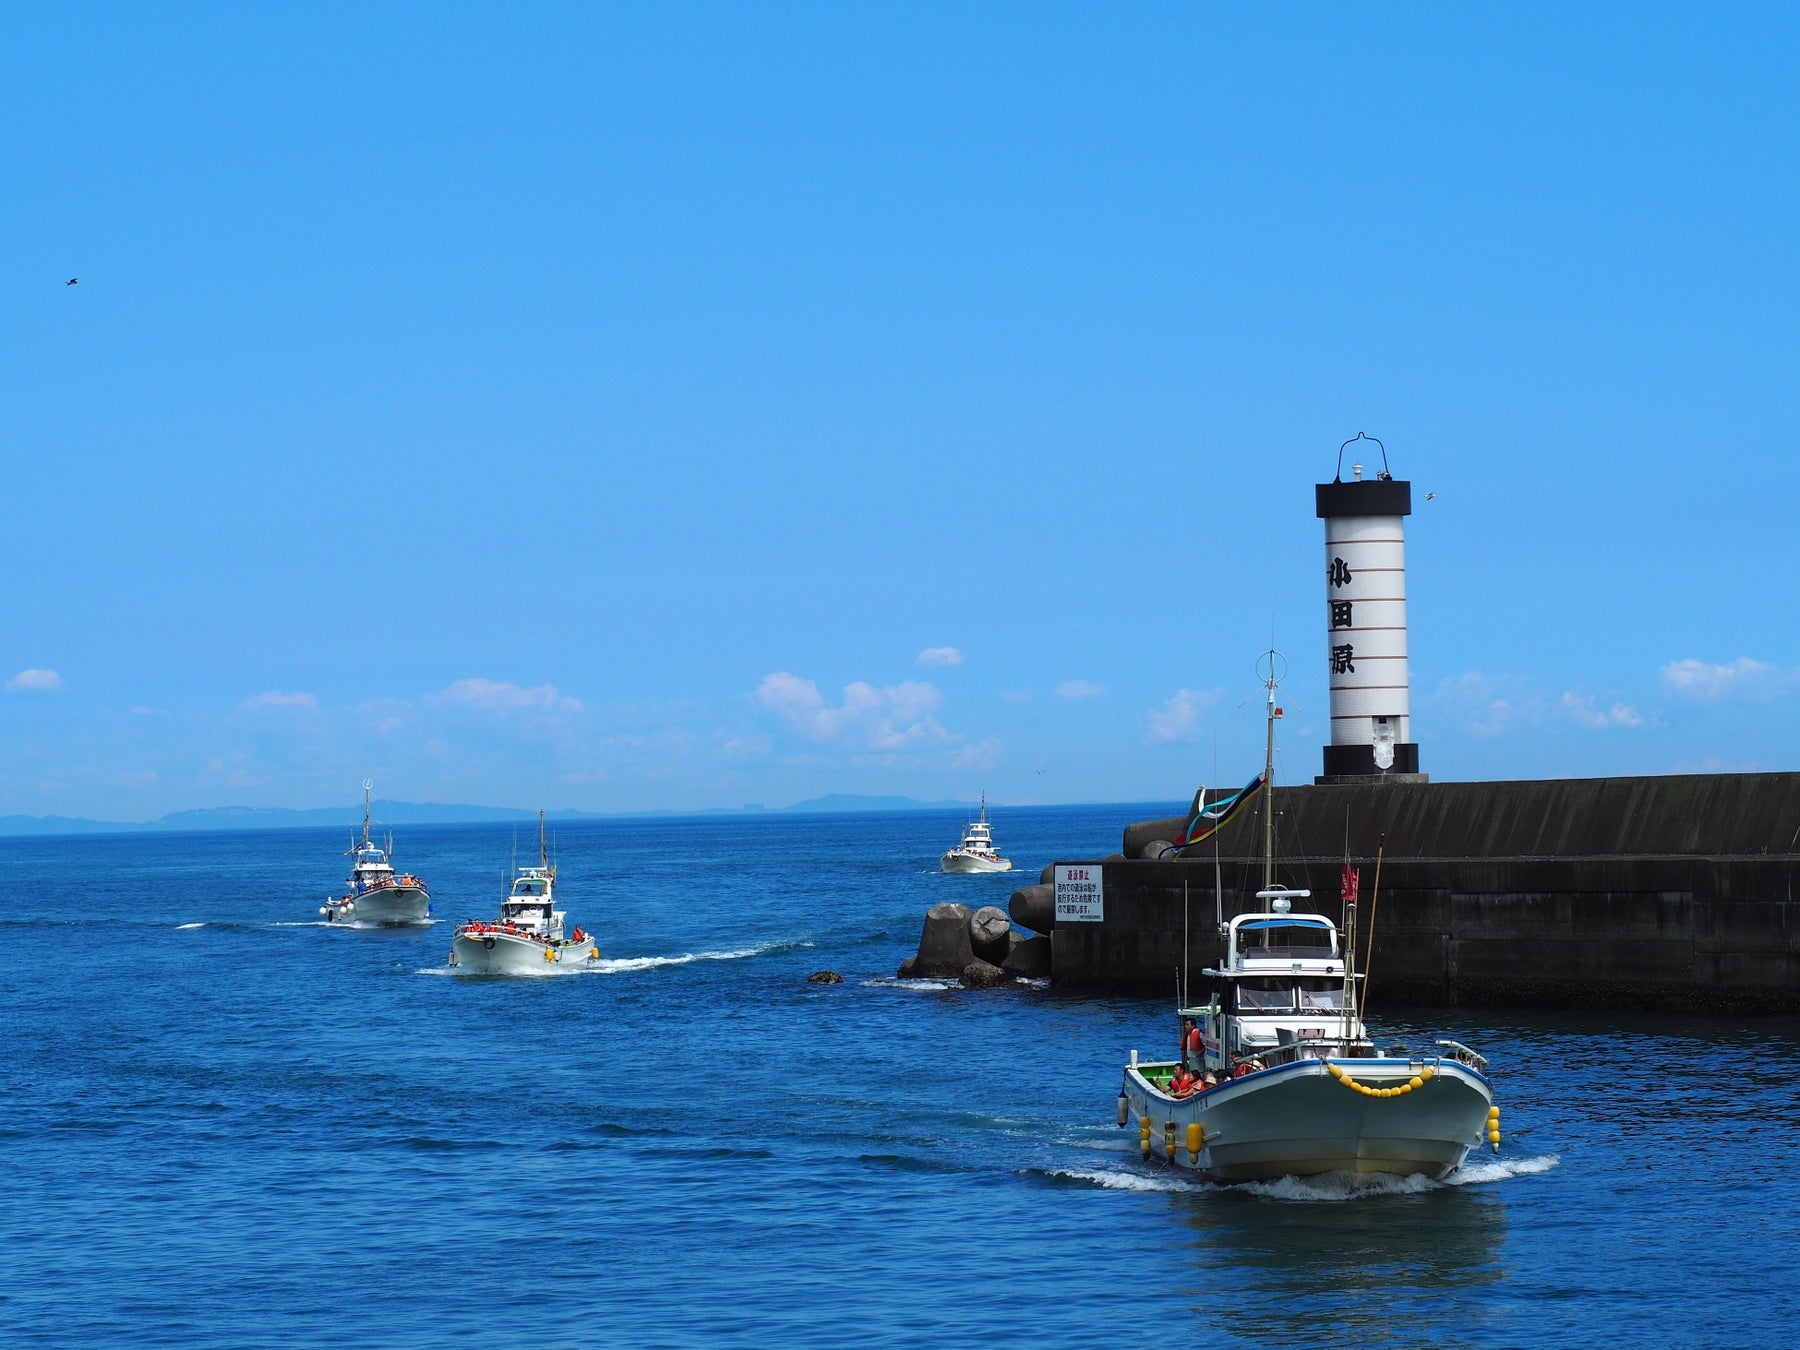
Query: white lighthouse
x=1365, y=618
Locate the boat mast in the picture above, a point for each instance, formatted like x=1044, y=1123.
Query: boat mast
x=368, y=787
x=1268, y=882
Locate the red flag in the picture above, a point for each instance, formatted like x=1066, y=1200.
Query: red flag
x=1347, y=887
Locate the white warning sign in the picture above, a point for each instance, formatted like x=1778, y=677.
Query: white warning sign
x=1078, y=894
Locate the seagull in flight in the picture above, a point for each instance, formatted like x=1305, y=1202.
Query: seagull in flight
x=73, y=281
x=1431, y=496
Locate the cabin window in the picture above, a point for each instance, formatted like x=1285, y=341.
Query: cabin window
x=1265, y=995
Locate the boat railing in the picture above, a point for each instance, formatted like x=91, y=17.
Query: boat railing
x=1463, y=1055
x=1308, y=1047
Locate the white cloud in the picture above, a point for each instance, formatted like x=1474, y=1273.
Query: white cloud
x=1073, y=689
x=939, y=656
x=35, y=682
x=752, y=746
x=274, y=698
x=893, y=718
x=1486, y=705
x=1745, y=678
x=1584, y=711
x=499, y=696
x=1179, y=717
x=983, y=755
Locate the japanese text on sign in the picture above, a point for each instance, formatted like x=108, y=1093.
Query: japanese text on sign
x=1078, y=894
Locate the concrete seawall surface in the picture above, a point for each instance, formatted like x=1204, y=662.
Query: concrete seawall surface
x=1669, y=893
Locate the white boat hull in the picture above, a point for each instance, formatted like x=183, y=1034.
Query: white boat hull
x=1298, y=1120
x=388, y=905
x=958, y=861
x=491, y=953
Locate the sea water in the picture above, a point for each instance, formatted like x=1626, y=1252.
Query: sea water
x=224, y=1123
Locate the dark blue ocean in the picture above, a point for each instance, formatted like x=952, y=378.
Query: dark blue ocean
x=224, y=1124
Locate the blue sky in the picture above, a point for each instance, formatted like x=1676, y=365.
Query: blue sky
x=678, y=407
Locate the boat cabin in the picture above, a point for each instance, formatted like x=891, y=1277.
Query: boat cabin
x=529, y=903
x=1282, y=991
x=371, y=867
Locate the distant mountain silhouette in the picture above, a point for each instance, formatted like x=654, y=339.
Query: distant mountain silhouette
x=417, y=813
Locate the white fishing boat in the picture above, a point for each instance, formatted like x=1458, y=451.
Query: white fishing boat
x=977, y=852
x=1277, y=1074
x=375, y=894
x=527, y=937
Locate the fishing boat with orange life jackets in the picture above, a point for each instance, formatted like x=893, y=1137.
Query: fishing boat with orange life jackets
x=1277, y=1075
x=375, y=894
x=976, y=852
x=527, y=937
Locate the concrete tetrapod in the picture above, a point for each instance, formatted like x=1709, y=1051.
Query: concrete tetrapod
x=990, y=933
x=1034, y=907
x=1030, y=959
x=944, y=946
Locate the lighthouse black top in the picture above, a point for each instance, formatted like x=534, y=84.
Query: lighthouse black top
x=1368, y=497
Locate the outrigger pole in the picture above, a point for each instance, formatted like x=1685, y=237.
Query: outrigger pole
x=1374, y=900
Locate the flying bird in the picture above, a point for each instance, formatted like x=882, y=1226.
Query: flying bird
x=73, y=281
x=1430, y=496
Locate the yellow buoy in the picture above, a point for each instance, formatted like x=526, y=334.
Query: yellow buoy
x=549, y=954
x=1194, y=1138
x=593, y=953
x=1493, y=1113
x=1417, y=1082
x=1427, y=1074
x=1169, y=1139
x=1336, y=1070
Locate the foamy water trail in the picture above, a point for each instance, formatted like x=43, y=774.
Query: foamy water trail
x=1128, y=1181
x=180, y=926
x=1332, y=1187
x=917, y=986
x=1484, y=1170
x=1337, y=1186
x=620, y=965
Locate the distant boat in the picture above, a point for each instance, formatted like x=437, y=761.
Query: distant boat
x=527, y=937
x=374, y=893
x=1277, y=1074
x=977, y=852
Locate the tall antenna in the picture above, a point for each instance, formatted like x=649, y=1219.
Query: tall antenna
x=1275, y=667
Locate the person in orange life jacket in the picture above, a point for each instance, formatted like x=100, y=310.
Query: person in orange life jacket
x=1184, y=1083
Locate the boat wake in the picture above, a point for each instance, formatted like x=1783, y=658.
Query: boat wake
x=1329, y=1188
x=1334, y=1186
x=1494, y=1169
x=1358, y=1186
x=180, y=926
x=1122, y=1181
x=622, y=965
x=617, y=965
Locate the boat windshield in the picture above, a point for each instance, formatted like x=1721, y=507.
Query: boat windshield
x=530, y=886
x=1285, y=995
x=1280, y=937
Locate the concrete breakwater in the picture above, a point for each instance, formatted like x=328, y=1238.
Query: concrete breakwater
x=979, y=948
x=1674, y=893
